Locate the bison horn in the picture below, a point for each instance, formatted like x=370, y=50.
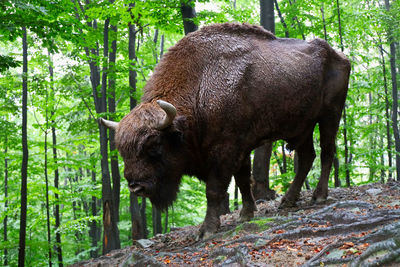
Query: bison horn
x=170, y=111
x=109, y=124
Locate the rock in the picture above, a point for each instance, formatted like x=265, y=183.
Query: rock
x=373, y=191
x=140, y=260
x=144, y=243
x=251, y=227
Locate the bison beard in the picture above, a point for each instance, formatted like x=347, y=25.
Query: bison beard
x=165, y=193
x=226, y=89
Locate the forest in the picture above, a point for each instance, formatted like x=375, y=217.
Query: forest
x=66, y=63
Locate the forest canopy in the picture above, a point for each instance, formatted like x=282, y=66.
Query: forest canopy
x=64, y=64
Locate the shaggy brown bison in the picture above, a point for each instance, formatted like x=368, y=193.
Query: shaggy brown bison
x=221, y=92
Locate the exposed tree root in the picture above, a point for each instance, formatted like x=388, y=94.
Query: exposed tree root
x=385, y=240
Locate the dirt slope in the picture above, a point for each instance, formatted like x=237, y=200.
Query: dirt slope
x=358, y=226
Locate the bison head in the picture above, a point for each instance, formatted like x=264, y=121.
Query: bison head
x=150, y=141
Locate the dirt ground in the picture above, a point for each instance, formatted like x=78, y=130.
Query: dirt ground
x=358, y=226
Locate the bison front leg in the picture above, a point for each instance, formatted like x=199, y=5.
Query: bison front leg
x=306, y=154
x=215, y=193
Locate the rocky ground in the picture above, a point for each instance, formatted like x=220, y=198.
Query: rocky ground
x=358, y=226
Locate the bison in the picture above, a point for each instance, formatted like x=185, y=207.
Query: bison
x=219, y=93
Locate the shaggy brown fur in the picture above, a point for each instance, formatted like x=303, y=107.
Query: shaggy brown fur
x=234, y=86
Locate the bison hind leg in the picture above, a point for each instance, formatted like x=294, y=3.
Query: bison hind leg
x=242, y=179
x=306, y=155
x=328, y=129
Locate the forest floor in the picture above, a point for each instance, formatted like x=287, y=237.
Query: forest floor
x=358, y=226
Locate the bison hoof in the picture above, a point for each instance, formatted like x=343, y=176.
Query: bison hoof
x=204, y=234
x=206, y=231
x=246, y=214
x=287, y=204
x=319, y=200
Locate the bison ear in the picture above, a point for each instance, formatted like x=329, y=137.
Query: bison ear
x=179, y=124
x=178, y=129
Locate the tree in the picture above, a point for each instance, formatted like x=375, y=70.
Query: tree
x=25, y=151
x=56, y=171
x=262, y=155
x=395, y=95
x=137, y=229
x=188, y=13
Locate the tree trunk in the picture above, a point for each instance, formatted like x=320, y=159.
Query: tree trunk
x=156, y=218
x=116, y=177
x=395, y=97
x=382, y=161
x=262, y=154
x=56, y=173
x=143, y=217
x=387, y=112
x=267, y=19
x=5, y=202
x=346, y=146
x=156, y=213
x=25, y=152
x=282, y=19
x=93, y=224
x=236, y=198
x=188, y=14
x=335, y=157
x=323, y=22
x=136, y=220
x=372, y=144
x=46, y=177
x=110, y=229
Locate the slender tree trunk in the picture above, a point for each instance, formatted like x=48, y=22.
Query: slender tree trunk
x=267, y=19
x=46, y=177
x=110, y=229
x=323, y=21
x=346, y=146
x=116, y=177
x=188, y=14
x=56, y=173
x=93, y=224
x=136, y=220
x=284, y=160
x=295, y=18
x=236, y=198
x=166, y=222
x=382, y=161
x=25, y=152
x=262, y=154
x=282, y=19
x=335, y=157
x=394, y=95
x=156, y=213
x=143, y=216
x=372, y=143
x=156, y=217
x=387, y=112
x=5, y=202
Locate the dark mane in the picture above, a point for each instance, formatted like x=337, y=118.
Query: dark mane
x=240, y=29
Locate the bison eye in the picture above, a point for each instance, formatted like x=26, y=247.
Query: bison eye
x=155, y=151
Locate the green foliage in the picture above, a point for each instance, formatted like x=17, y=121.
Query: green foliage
x=64, y=29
